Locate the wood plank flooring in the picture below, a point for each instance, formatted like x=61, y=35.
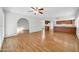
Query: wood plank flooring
x=41, y=42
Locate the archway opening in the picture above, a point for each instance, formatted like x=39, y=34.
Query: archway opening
x=22, y=25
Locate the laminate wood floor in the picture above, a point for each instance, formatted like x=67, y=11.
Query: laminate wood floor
x=41, y=42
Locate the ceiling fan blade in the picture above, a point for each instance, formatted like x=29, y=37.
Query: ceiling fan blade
x=37, y=9
x=32, y=7
x=41, y=12
x=41, y=9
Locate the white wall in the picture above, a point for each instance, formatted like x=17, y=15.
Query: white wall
x=35, y=25
x=77, y=22
x=1, y=26
x=77, y=25
x=11, y=23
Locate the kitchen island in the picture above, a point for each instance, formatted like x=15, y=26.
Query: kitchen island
x=65, y=28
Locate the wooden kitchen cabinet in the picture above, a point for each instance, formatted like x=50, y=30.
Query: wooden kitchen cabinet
x=65, y=29
x=65, y=22
x=47, y=27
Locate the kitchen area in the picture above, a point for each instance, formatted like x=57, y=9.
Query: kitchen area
x=66, y=26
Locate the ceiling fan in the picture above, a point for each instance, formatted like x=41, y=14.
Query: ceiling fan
x=37, y=10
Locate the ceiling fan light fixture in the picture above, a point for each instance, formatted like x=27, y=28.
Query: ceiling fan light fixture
x=37, y=10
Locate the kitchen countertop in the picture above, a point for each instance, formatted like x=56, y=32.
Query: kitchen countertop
x=65, y=25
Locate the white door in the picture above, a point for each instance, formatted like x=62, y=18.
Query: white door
x=1, y=27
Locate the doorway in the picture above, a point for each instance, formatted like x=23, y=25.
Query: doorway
x=22, y=25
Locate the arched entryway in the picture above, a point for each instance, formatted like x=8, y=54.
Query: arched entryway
x=22, y=25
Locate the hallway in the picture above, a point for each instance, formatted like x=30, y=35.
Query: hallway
x=36, y=43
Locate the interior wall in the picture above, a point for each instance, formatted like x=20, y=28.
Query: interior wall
x=35, y=24
x=1, y=26
x=51, y=25
x=11, y=23
x=77, y=25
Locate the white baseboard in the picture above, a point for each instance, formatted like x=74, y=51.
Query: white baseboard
x=9, y=36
